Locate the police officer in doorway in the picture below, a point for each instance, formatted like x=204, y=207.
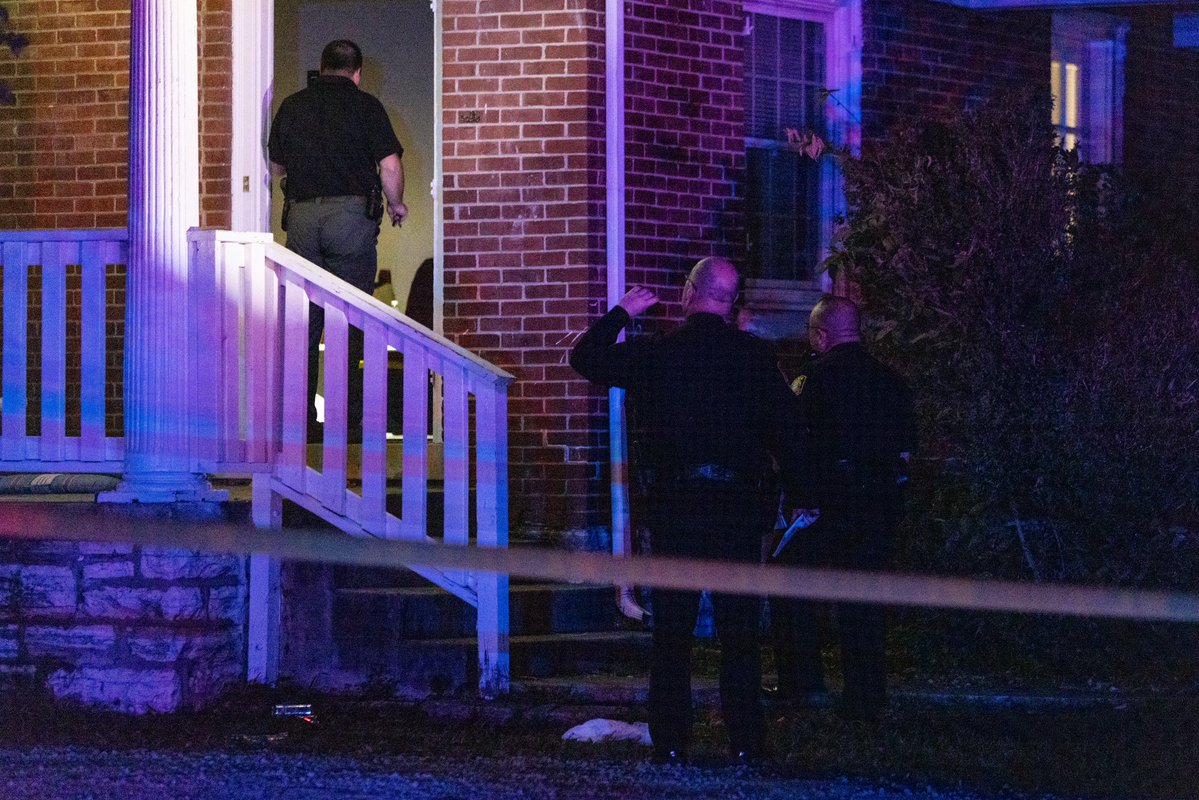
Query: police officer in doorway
x=334, y=146
x=714, y=408
x=858, y=414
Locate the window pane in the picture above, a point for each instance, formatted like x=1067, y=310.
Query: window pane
x=782, y=213
x=1071, y=95
x=1055, y=86
x=784, y=81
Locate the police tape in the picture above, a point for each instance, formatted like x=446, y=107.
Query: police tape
x=40, y=522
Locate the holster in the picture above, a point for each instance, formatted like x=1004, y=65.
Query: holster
x=374, y=204
x=286, y=204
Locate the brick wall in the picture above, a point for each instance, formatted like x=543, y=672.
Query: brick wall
x=523, y=160
x=1161, y=103
x=685, y=139
x=64, y=160
x=922, y=58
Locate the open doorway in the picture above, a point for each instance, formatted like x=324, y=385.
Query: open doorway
x=397, y=38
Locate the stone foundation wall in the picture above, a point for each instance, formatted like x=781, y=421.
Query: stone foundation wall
x=134, y=629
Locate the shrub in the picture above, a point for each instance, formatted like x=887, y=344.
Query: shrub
x=1044, y=314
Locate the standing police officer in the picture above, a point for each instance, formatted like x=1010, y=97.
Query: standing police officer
x=861, y=431
x=714, y=408
x=335, y=146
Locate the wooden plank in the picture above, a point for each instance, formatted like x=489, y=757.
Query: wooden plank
x=93, y=373
x=333, y=492
x=17, y=258
x=414, y=480
x=374, y=427
x=257, y=343
x=273, y=416
x=229, y=285
x=205, y=342
x=295, y=385
x=264, y=623
x=457, y=456
x=491, y=412
x=55, y=257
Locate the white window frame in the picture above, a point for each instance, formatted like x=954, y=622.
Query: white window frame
x=780, y=307
x=1093, y=43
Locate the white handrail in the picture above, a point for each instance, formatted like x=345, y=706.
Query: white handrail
x=252, y=296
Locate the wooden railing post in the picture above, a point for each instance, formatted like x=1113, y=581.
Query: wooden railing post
x=492, y=499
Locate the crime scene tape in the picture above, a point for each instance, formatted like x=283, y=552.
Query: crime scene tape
x=41, y=522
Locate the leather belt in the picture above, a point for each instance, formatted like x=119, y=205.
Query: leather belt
x=334, y=198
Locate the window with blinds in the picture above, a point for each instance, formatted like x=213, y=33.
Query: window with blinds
x=784, y=88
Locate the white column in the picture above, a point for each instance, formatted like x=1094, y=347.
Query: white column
x=164, y=201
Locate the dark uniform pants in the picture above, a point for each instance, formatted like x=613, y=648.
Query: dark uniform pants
x=335, y=233
x=860, y=539
x=716, y=525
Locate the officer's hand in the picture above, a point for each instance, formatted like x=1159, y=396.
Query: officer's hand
x=637, y=299
x=398, y=213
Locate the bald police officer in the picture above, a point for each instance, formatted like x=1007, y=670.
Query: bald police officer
x=858, y=415
x=714, y=408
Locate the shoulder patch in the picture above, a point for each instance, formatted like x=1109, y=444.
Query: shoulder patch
x=797, y=384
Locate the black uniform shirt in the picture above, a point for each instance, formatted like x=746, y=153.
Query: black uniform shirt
x=858, y=411
x=706, y=392
x=331, y=137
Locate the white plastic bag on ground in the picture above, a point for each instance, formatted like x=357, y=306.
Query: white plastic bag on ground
x=609, y=730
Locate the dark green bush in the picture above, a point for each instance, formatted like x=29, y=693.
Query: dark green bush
x=1046, y=317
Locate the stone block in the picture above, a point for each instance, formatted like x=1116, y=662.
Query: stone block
x=162, y=646
x=48, y=590
x=119, y=688
x=136, y=602
x=105, y=549
x=27, y=551
x=172, y=564
x=9, y=575
x=182, y=603
x=227, y=603
x=201, y=647
x=107, y=570
x=10, y=642
x=79, y=641
x=208, y=683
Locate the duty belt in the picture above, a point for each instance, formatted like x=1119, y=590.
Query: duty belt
x=334, y=198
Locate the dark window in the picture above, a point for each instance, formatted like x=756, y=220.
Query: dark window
x=784, y=87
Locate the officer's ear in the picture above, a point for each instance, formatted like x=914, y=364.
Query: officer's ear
x=357, y=76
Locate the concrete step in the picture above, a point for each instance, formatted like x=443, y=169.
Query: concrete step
x=427, y=612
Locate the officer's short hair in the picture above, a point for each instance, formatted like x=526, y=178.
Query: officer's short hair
x=341, y=55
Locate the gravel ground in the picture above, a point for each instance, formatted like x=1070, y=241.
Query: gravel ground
x=78, y=773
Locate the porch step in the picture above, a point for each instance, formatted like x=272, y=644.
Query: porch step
x=451, y=664
x=427, y=612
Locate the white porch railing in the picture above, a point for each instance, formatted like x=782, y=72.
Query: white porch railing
x=246, y=305
x=250, y=304
x=57, y=254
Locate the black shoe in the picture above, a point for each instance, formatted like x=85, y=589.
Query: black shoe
x=677, y=758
